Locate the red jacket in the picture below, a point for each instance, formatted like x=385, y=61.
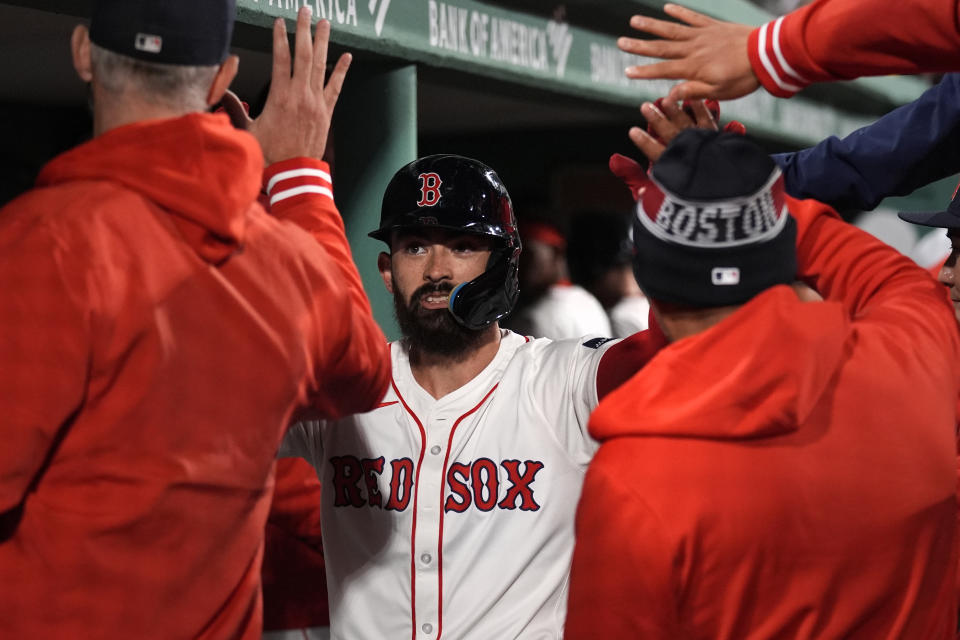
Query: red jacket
x=294, y=573
x=157, y=329
x=842, y=39
x=787, y=473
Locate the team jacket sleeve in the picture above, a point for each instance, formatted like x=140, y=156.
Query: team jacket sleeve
x=843, y=39
x=625, y=358
x=633, y=587
x=909, y=147
x=353, y=360
x=46, y=318
x=873, y=281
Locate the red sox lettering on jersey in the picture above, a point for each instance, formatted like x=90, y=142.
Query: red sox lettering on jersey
x=454, y=517
x=477, y=484
x=429, y=189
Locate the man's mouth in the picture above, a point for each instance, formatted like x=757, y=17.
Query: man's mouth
x=435, y=301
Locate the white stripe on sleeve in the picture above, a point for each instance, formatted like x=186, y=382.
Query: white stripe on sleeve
x=768, y=66
x=783, y=61
x=296, y=191
x=297, y=173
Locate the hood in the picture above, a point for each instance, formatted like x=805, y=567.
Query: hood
x=758, y=373
x=201, y=170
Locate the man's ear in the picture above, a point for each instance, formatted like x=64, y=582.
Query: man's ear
x=221, y=82
x=385, y=265
x=80, y=49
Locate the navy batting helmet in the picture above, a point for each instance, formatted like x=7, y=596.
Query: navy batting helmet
x=466, y=196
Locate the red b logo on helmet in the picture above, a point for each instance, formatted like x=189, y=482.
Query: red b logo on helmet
x=429, y=189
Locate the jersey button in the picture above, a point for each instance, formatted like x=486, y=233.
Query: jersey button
x=427, y=627
x=426, y=558
x=435, y=449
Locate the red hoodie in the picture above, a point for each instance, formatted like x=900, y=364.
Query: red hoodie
x=157, y=329
x=842, y=39
x=787, y=473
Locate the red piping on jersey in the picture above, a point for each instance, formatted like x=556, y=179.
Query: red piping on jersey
x=413, y=527
x=443, y=486
x=386, y=404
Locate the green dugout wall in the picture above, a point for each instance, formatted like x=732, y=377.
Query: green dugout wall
x=556, y=62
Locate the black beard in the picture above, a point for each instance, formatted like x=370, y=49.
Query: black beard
x=432, y=331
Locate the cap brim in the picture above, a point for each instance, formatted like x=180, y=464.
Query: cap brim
x=942, y=219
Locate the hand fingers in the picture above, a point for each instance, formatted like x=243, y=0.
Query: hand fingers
x=702, y=115
x=660, y=28
x=645, y=142
x=332, y=92
x=281, y=57
x=689, y=16
x=303, y=48
x=677, y=116
x=321, y=40
x=672, y=69
x=694, y=90
x=654, y=48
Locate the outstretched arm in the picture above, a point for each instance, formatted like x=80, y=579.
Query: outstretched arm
x=904, y=150
x=826, y=40
x=351, y=355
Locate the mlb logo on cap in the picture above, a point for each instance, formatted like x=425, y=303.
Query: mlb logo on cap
x=726, y=276
x=148, y=43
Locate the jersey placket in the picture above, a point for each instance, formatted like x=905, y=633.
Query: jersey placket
x=426, y=548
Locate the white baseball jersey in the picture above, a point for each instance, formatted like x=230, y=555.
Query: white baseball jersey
x=565, y=311
x=454, y=518
x=629, y=316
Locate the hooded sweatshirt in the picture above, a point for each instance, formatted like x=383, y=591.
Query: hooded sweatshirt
x=157, y=329
x=789, y=472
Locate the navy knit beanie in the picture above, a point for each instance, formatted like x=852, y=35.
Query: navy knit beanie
x=712, y=227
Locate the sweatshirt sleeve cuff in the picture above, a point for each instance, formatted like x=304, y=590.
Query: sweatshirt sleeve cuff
x=769, y=62
x=292, y=180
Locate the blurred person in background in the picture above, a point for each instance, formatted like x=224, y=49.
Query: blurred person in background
x=599, y=258
x=550, y=306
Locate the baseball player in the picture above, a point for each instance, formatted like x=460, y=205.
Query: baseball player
x=448, y=510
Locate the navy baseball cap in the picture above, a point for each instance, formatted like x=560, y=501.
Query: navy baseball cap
x=949, y=219
x=181, y=32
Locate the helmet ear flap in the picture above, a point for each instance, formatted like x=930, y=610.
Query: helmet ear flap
x=491, y=295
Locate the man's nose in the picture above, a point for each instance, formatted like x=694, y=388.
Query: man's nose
x=438, y=265
x=946, y=275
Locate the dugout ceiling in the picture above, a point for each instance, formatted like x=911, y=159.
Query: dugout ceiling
x=551, y=63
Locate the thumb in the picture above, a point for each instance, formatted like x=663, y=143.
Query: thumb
x=630, y=172
x=236, y=109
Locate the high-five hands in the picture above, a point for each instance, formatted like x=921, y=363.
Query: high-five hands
x=296, y=118
x=665, y=120
x=709, y=55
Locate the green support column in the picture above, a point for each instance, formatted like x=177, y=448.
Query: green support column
x=375, y=133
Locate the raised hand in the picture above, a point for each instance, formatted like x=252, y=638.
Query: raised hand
x=296, y=117
x=665, y=119
x=709, y=55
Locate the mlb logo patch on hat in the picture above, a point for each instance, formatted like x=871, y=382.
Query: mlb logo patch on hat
x=725, y=276
x=148, y=43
